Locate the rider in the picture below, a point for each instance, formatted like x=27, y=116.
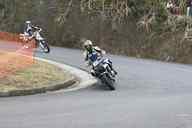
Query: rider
x=28, y=29
x=94, y=53
x=28, y=33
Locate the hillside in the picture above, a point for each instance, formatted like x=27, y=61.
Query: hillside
x=140, y=28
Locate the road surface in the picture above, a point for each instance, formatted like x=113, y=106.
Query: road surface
x=149, y=94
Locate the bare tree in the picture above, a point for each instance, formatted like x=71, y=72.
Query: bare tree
x=62, y=18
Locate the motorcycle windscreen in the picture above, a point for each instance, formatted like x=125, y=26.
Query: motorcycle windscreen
x=15, y=54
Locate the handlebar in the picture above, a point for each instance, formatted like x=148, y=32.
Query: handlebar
x=37, y=28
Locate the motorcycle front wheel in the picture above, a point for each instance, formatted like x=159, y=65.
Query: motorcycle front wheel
x=107, y=81
x=44, y=46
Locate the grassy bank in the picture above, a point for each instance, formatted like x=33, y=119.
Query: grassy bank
x=38, y=75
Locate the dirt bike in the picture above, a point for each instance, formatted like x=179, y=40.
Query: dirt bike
x=40, y=41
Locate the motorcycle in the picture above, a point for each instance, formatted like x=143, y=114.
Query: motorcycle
x=40, y=41
x=103, y=72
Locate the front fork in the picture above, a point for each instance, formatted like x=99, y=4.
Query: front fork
x=39, y=43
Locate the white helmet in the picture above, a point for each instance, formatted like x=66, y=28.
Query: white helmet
x=28, y=22
x=87, y=43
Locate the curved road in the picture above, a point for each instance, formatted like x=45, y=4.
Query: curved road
x=149, y=94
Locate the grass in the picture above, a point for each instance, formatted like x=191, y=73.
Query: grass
x=40, y=74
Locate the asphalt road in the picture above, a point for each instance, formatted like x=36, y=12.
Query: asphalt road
x=149, y=94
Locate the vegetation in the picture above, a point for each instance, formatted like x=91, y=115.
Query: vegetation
x=141, y=28
x=38, y=75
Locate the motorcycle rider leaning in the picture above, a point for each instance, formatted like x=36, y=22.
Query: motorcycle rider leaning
x=28, y=33
x=30, y=30
x=94, y=53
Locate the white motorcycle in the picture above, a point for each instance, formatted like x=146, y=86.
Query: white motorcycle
x=40, y=41
x=101, y=70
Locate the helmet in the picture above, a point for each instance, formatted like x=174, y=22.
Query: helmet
x=28, y=22
x=88, y=45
